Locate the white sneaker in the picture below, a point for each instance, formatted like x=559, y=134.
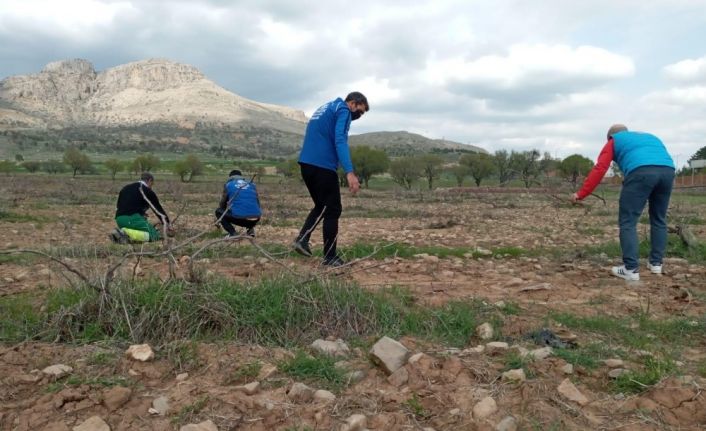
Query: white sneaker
x=654, y=269
x=625, y=274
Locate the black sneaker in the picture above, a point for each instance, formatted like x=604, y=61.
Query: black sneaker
x=333, y=261
x=118, y=236
x=250, y=232
x=302, y=248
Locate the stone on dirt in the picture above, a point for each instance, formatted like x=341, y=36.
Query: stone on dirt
x=203, y=426
x=617, y=372
x=485, y=331
x=356, y=422
x=495, y=347
x=613, y=363
x=508, y=423
x=116, y=397
x=140, y=352
x=390, y=354
x=355, y=376
x=249, y=389
x=567, y=369
x=570, y=392
x=331, y=348
x=57, y=371
x=484, y=408
x=517, y=375
x=267, y=371
x=399, y=377
x=299, y=392
x=160, y=406
x=324, y=395
x=181, y=377
x=543, y=353
x=94, y=423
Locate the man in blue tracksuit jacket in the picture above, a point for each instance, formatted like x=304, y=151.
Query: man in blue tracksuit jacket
x=325, y=147
x=240, y=203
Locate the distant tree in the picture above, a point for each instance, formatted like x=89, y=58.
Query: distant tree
x=480, y=166
x=368, y=162
x=501, y=158
x=459, y=172
x=53, y=166
x=19, y=158
x=114, y=166
x=699, y=155
x=431, y=165
x=405, y=171
x=145, y=163
x=76, y=160
x=31, y=166
x=615, y=169
x=574, y=167
x=188, y=168
x=288, y=168
x=342, y=177
x=548, y=164
x=526, y=164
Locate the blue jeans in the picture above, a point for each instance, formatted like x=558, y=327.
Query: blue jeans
x=651, y=184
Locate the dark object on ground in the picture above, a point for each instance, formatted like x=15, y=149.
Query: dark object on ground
x=546, y=337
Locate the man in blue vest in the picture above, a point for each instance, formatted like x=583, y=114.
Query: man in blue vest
x=240, y=205
x=325, y=148
x=648, y=172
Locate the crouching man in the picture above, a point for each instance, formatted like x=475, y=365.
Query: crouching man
x=240, y=205
x=133, y=202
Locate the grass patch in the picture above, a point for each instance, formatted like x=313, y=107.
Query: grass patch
x=319, y=369
x=276, y=311
x=513, y=361
x=653, y=371
x=588, y=356
x=77, y=380
x=246, y=372
x=102, y=359
x=675, y=248
x=407, y=251
x=184, y=355
x=189, y=411
x=11, y=217
x=416, y=408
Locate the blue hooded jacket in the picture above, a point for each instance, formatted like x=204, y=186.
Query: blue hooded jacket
x=326, y=139
x=243, y=198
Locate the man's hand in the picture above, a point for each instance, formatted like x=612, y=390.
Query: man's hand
x=575, y=198
x=353, y=183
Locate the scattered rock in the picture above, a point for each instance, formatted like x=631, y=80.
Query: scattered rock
x=355, y=422
x=249, y=389
x=613, y=363
x=299, y=392
x=495, y=347
x=567, y=369
x=266, y=372
x=390, y=354
x=116, y=397
x=203, y=426
x=415, y=358
x=483, y=252
x=471, y=350
x=355, y=376
x=617, y=372
x=323, y=395
x=94, y=423
x=540, y=354
x=140, y=352
x=181, y=377
x=484, y=408
x=331, y=348
x=485, y=331
x=57, y=371
x=399, y=377
x=500, y=304
x=517, y=375
x=508, y=423
x=570, y=392
x=160, y=406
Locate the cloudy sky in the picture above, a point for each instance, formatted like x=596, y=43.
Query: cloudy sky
x=551, y=75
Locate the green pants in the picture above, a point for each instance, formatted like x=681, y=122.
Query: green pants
x=137, y=222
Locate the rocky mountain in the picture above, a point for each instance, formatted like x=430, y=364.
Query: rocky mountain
x=404, y=143
x=160, y=105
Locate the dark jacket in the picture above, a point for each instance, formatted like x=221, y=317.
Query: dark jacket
x=131, y=201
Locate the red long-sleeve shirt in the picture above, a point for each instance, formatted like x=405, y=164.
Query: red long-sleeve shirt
x=596, y=175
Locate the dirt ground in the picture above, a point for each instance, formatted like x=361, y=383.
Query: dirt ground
x=554, y=274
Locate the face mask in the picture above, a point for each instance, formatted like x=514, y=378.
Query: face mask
x=355, y=115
